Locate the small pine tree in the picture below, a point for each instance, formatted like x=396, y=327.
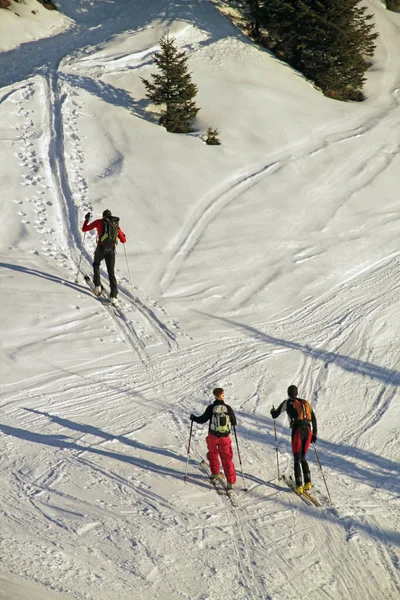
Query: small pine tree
x=173, y=87
x=212, y=138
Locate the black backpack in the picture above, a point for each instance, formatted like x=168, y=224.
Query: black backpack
x=109, y=236
x=220, y=421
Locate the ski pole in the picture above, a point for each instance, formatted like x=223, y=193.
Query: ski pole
x=130, y=276
x=322, y=473
x=240, y=460
x=80, y=258
x=188, y=452
x=276, y=447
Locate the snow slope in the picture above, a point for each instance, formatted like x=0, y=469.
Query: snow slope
x=269, y=260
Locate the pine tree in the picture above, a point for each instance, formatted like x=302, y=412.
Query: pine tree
x=393, y=5
x=173, y=87
x=252, y=13
x=327, y=41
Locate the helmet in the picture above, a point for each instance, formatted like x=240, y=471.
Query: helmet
x=292, y=391
x=107, y=213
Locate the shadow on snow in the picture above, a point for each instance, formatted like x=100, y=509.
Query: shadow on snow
x=53, y=278
x=65, y=442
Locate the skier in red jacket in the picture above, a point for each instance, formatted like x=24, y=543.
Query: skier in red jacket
x=108, y=234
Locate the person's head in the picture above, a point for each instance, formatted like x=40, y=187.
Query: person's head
x=107, y=214
x=292, y=391
x=218, y=393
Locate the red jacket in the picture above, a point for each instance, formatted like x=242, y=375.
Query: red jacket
x=98, y=224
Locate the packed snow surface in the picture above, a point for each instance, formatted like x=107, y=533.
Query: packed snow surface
x=267, y=261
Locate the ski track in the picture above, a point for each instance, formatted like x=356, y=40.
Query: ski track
x=257, y=530
x=244, y=353
x=137, y=332
x=361, y=173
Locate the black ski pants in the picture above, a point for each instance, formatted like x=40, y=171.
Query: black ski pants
x=301, y=438
x=108, y=254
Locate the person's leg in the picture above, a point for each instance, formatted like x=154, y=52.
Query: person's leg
x=296, y=450
x=226, y=454
x=110, y=262
x=306, y=440
x=212, y=454
x=98, y=257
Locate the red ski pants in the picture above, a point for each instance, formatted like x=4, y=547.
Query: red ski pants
x=221, y=448
x=301, y=438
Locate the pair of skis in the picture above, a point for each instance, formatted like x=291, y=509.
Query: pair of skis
x=306, y=496
x=103, y=297
x=221, y=489
x=219, y=484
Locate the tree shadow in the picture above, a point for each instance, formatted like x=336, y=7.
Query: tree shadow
x=339, y=457
x=324, y=513
x=48, y=276
x=108, y=93
x=93, y=23
x=349, y=524
x=95, y=431
x=64, y=442
x=361, y=465
x=351, y=365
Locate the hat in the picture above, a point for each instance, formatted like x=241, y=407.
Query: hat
x=292, y=391
x=107, y=213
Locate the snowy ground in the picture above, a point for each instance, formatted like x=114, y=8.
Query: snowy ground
x=270, y=260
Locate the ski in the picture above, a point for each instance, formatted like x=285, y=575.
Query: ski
x=102, y=297
x=305, y=496
x=312, y=498
x=219, y=484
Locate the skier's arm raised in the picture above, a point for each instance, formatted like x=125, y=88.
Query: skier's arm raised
x=98, y=224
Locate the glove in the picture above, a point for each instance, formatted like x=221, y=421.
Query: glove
x=313, y=438
x=87, y=216
x=192, y=417
x=272, y=412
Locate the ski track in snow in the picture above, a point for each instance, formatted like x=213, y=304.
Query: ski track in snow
x=91, y=495
x=360, y=172
x=139, y=322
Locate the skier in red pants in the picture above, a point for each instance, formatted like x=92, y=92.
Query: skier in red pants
x=222, y=418
x=301, y=417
